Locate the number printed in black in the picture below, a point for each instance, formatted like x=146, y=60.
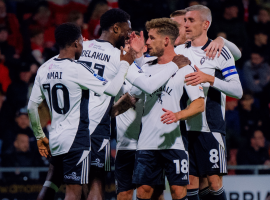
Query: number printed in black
x=53, y=97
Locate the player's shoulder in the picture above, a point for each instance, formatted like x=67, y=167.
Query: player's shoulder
x=186, y=70
x=82, y=65
x=180, y=48
x=225, y=55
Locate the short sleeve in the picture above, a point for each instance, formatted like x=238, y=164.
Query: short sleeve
x=88, y=79
x=226, y=64
x=180, y=49
x=37, y=96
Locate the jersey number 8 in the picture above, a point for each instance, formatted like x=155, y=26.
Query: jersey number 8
x=53, y=97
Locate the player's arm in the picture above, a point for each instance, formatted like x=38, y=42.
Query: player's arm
x=217, y=44
x=150, y=84
x=196, y=96
x=99, y=84
x=231, y=85
x=35, y=100
x=127, y=101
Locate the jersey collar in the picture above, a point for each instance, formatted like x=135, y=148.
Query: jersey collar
x=99, y=40
x=207, y=43
x=61, y=59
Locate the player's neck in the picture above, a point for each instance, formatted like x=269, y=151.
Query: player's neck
x=106, y=36
x=65, y=53
x=167, y=56
x=199, y=41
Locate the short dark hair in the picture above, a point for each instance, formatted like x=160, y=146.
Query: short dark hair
x=178, y=13
x=113, y=16
x=66, y=34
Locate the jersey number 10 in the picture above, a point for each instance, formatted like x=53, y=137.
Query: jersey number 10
x=53, y=97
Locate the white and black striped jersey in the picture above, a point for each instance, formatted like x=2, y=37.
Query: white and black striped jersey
x=213, y=118
x=154, y=134
x=65, y=85
x=104, y=59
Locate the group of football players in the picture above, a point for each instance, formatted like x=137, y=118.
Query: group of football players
x=167, y=95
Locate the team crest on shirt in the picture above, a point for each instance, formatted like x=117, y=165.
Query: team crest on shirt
x=202, y=60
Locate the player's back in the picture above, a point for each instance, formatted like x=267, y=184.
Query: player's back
x=104, y=59
x=68, y=103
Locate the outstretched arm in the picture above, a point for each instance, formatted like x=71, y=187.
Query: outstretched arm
x=195, y=108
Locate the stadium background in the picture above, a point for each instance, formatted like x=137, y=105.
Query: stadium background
x=27, y=40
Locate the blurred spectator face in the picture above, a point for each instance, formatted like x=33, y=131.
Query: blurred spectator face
x=43, y=16
x=22, y=143
x=231, y=12
x=22, y=121
x=247, y=101
x=193, y=3
x=193, y=24
x=258, y=140
x=232, y=104
x=256, y=59
x=182, y=31
x=100, y=9
x=263, y=16
x=76, y=17
x=38, y=39
x=25, y=76
x=261, y=39
x=222, y=34
x=3, y=35
x=3, y=11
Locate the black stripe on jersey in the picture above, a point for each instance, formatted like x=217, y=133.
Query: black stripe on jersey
x=193, y=68
x=103, y=128
x=213, y=109
x=82, y=138
x=207, y=43
x=224, y=55
x=183, y=105
x=152, y=62
x=226, y=52
x=86, y=67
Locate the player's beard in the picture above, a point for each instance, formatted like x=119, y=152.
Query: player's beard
x=121, y=42
x=77, y=55
x=158, y=52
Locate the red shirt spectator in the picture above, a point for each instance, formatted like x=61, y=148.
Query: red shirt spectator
x=4, y=78
x=10, y=21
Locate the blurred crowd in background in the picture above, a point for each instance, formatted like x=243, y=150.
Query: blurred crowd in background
x=27, y=41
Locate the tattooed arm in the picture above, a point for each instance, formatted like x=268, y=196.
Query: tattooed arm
x=123, y=104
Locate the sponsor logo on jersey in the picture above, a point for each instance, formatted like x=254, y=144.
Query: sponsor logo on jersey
x=97, y=163
x=73, y=176
x=100, y=77
x=202, y=60
x=90, y=45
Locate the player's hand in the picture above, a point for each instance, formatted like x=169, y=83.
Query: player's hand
x=213, y=47
x=137, y=42
x=169, y=117
x=181, y=61
x=129, y=56
x=198, y=77
x=43, y=147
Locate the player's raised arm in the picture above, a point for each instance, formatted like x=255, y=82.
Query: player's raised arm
x=137, y=78
x=216, y=46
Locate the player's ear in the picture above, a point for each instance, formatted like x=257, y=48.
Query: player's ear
x=116, y=28
x=167, y=41
x=76, y=43
x=206, y=25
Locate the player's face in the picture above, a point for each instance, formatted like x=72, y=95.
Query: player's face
x=155, y=43
x=123, y=34
x=193, y=25
x=79, y=48
x=182, y=31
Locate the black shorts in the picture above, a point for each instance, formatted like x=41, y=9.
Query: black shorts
x=151, y=164
x=124, y=166
x=100, y=153
x=75, y=165
x=207, y=155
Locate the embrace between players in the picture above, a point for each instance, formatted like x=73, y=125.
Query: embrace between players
x=169, y=108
